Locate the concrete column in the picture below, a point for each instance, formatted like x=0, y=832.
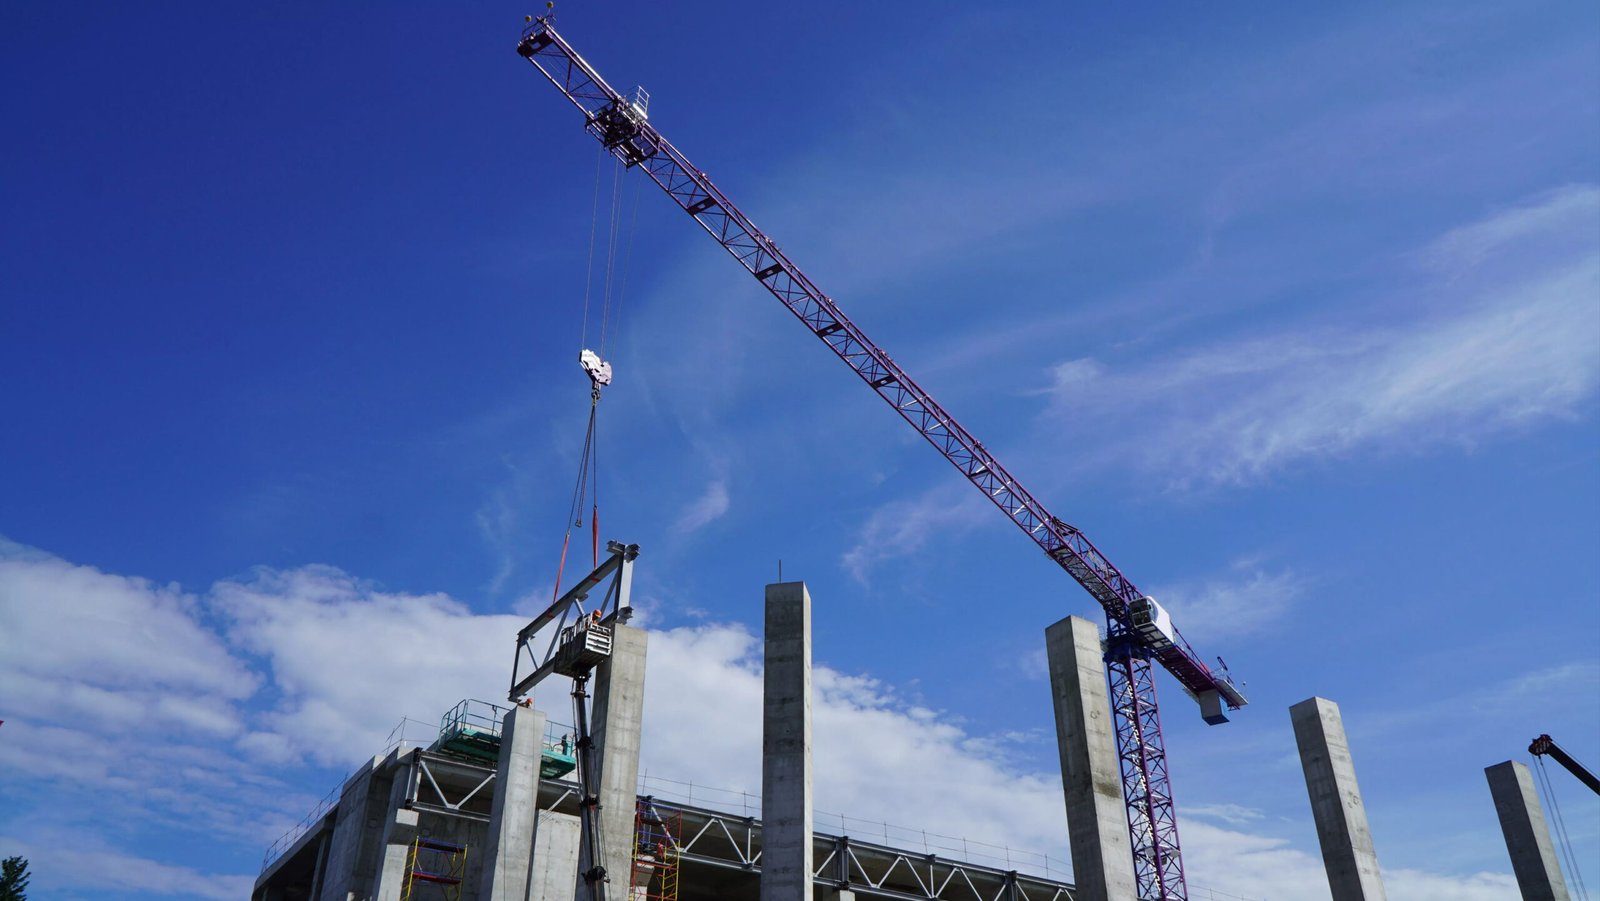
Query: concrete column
x=1091, y=782
x=786, y=745
x=398, y=835
x=618, y=714
x=513, y=811
x=555, y=857
x=354, y=849
x=322, y=863
x=1347, y=851
x=1533, y=857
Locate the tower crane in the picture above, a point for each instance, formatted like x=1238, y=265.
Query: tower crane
x=1139, y=632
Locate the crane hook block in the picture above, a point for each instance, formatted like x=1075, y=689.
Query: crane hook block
x=599, y=370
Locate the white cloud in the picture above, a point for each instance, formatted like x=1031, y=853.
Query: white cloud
x=1246, y=600
x=1511, y=341
x=903, y=527
x=342, y=660
x=1569, y=212
x=121, y=638
x=79, y=860
x=706, y=509
x=348, y=660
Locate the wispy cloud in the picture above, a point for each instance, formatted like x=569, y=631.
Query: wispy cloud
x=901, y=528
x=706, y=509
x=1511, y=343
x=1245, y=600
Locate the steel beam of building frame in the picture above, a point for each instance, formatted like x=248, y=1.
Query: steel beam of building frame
x=420, y=780
x=729, y=841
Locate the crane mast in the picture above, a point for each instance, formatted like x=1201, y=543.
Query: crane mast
x=1138, y=632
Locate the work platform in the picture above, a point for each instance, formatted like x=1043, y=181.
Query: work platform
x=472, y=730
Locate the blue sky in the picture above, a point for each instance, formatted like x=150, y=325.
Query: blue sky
x=1296, y=313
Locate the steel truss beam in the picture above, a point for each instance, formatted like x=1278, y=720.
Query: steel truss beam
x=614, y=607
x=424, y=791
x=870, y=870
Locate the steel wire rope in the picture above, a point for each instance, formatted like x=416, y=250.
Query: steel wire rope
x=588, y=267
x=1562, y=838
x=627, y=251
x=587, y=482
x=580, y=490
x=611, y=250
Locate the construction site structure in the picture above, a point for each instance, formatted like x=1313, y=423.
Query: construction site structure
x=495, y=801
x=1139, y=630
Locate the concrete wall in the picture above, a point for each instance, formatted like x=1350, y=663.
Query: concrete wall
x=1347, y=850
x=1091, y=782
x=786, y=855
x=555, y=857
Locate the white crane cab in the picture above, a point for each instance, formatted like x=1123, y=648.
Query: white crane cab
x=1152, y=622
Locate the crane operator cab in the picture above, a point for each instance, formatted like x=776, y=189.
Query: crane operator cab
x=1154, y=625
x=1152, y=622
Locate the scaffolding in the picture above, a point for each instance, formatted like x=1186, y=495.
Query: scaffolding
x=655, y=853
x=433, y=864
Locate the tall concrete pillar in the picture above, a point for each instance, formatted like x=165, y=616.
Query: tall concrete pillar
x=1091, y=782
x=513, y=814
x=1347, y=851
x=1533, y=857
x=618, y=714
x=786, y=745
x=400, y=825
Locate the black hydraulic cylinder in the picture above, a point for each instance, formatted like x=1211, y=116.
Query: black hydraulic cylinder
x=589, y=805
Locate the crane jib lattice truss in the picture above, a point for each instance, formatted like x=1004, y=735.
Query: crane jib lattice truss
x=623, y=128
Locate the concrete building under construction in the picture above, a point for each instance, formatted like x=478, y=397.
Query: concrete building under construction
x=501, y=803
x=493, y=807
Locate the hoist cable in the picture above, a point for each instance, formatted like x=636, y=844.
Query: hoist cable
x=588, y=268
x=585, y=487
x=627, y=250
x=611, y=251
x=594, y=476
x=1562, y=838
